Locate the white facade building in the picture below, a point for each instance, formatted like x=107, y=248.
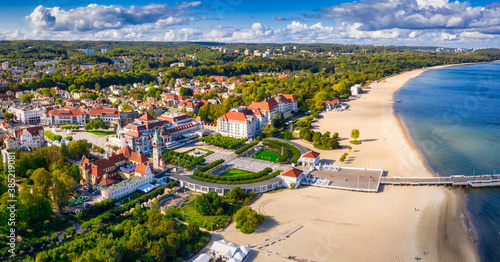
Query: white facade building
x=241, y=122
x=26, y=115
x=293, y=177
x=143, y=175
x=31, y=137
x=63, y=117
x=310, y=158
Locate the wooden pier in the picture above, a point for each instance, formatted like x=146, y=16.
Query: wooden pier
x=455, y=181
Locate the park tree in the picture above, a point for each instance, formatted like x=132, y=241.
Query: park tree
x=278, y=120
x=246, y=219
x=8, y=116
x=183, y=91
x=62, y=189
x=355, y=134
x=42, y=182
x=269, y=130
x=26, y=98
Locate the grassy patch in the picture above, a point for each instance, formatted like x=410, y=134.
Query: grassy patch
x=267, y=155
x=125, y=199
x=189, y=214
x=236, y=172
x=101, y=133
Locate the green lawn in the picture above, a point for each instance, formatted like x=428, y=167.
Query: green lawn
x=101, y=133
x=132, y=196
x=236, y=172
x=189, y=214
x=267, y=155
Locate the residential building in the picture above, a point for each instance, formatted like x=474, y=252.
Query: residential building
x=30, y=137
x=114, y=166
x=108, y=115
x=242, y=122
x=42, y=63
x=285, y=48
x=293, y=177
x=138, y=134
x=87, y=51
x=58, y=117
x=331, y=103
x=5, y=65
x=286, y=104
x=128, y=117
x=310, y=159
x=26, y=114
x=269, y=105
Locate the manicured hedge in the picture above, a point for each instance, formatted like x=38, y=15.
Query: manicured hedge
x=52, y=136
x=246, y=179
x=223, y=141
x=211, y=165
x=246, y=147
x=278, y=144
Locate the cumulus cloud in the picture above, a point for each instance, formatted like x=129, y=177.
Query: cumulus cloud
x=96, y=17
x=416, y=15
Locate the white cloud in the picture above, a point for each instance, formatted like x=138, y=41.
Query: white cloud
x=416, y=14
x=96, y=17
x=170, y=21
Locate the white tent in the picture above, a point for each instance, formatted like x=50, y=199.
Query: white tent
x=239, y=256
x=202, y=258
x=245, y=250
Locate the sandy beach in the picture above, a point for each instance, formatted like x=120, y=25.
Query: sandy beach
x=397, y=224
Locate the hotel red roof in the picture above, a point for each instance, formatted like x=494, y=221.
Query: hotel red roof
x=238, y=116
x=292, y=172
x=311, y=154
x=133, y=133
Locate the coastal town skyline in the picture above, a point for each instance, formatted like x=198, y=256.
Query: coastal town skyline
x=373, y=22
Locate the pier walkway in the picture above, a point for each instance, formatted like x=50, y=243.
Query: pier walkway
x=456, y=181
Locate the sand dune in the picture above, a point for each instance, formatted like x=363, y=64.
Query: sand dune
x=352, y=226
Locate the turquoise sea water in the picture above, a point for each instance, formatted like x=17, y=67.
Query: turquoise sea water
x=453, y=117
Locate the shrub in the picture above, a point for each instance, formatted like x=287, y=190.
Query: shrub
x=223, y=141
x=355, y=142
x=246, y=147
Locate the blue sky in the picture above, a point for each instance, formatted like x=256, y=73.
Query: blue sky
x=380, y=22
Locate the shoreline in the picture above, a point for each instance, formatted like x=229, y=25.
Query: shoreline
x=467, y=221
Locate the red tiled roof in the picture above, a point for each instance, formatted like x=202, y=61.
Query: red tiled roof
x=268, y=105
x=107, y=181
x=126, y=151
x=239, y=116
x=134, y=156
x=179, y=128
x=34, y=131
x=292, y=172
x=65, y=112
x=311, y=154
x=141, y=169
x=333, y=100
x=146, y=117
x=290, y=97
x=133, y=133
x=105, y=111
